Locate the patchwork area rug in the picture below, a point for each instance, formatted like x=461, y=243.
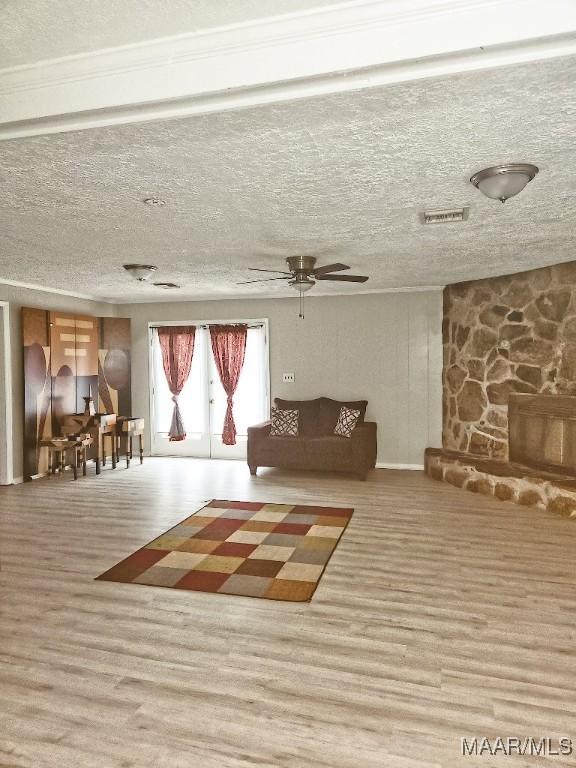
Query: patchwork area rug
x=275, y=551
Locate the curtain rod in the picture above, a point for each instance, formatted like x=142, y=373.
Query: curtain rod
x=215, y=325
x=206, y=325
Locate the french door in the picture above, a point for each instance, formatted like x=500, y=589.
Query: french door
x=203, y=400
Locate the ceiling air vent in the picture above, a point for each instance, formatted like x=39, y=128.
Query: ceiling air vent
x=445, y=217
x=167, y=286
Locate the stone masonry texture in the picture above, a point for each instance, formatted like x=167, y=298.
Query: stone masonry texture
x=515, y=333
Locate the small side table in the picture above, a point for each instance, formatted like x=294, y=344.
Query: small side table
x=59, y=448
x=99, y=426
x=127, y=429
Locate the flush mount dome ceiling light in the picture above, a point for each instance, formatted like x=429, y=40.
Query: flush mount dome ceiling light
x=140, y=272
x=503, y=181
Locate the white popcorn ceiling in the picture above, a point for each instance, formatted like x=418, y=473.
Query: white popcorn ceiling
x=33, y=30
x=344, y=177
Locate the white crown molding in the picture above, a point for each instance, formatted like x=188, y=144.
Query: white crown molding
x=60, y=291
x=336, y=48
x=275, y=297
x=162, y=297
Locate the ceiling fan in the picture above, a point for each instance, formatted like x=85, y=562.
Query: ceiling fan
x=303, y=275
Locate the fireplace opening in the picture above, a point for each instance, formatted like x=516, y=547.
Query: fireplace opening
x=542, y=432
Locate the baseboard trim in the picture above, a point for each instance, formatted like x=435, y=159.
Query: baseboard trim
x=386, y=465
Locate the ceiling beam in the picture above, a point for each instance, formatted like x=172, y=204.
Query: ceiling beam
x=336, y=48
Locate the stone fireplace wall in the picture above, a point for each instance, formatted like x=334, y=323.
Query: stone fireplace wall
x=515, y=333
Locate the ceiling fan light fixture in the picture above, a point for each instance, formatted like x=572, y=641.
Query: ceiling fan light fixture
x=501, y=182
x=140, y=272
x=302, y=284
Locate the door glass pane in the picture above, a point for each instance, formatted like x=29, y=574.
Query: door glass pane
x=250, y=399
x=192, y=399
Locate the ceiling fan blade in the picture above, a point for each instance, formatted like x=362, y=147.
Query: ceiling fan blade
x=343, y=278
x=278, y=271
x=330, y=268
x=264, y=280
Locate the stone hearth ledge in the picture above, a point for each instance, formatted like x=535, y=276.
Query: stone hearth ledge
x=503, y=480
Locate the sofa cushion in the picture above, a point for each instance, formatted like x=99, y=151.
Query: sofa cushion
x=308, y=414
x=281, y=451
x=328, y=452
x=330, y=412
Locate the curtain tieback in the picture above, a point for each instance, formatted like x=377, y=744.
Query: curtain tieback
x=175, y=399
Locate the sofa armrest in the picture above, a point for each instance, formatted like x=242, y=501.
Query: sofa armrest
x=364, y=445
x=257, y=434
x=260, y=430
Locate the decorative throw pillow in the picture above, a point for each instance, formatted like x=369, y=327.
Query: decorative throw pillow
x=330, y=411
x=284, y=423
x=308, y=414
x=346, y=422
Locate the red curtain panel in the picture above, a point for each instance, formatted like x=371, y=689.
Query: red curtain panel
x=177, y=345
x=229, y=348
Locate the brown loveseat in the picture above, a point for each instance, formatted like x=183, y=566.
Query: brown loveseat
x=316, y=447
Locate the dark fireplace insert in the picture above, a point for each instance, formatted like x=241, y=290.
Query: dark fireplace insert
x=542, y=432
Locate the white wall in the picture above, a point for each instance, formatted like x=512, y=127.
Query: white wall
x=24, y=297
x=386, y=348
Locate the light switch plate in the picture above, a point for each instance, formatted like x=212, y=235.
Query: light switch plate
x=288, y=378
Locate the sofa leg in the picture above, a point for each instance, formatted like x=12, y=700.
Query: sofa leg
x=362, y=475
x=253, y=470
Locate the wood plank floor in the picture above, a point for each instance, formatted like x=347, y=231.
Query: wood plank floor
x=441, y=615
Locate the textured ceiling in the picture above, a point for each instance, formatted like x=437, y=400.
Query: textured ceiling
x=32, y=30
x=342, y=176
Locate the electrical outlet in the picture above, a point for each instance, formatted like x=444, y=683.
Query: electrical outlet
x=288, y=378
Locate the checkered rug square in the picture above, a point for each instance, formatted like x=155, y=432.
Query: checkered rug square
x=274, y=551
